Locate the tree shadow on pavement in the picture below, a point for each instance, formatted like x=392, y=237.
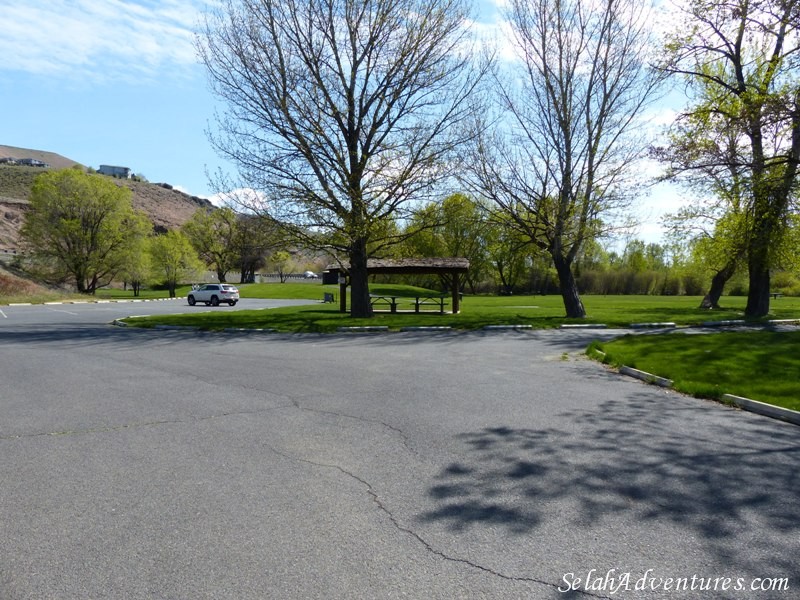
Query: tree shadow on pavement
x=729, y=479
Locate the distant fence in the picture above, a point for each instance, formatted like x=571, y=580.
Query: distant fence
x=285, y=276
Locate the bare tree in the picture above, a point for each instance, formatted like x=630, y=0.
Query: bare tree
x=340, y=112
x=558, y=162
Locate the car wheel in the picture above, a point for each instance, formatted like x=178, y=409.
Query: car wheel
x=214, y=301
x=232, y=302
x=191, y=300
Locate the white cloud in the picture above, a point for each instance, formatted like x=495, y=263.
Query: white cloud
x=112, y=39
x=241, y=200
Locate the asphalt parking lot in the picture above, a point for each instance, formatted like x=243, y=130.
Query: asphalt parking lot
x=172, y=464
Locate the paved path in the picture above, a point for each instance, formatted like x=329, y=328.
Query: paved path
x=142, y=464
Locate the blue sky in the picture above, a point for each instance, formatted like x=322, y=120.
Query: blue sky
x=112, y=82
x=118, y=82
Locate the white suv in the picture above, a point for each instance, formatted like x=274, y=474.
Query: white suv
x=213, y=294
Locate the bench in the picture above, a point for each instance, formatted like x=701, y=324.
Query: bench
x=775, y=295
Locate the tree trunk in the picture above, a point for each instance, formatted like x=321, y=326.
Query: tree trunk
x=721, y=277
x=360, y=306
x=569, y=288
x=247, y=274
x=758, y=258
x=758, y=294
x=221, y=276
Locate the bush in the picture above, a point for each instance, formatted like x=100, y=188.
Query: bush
x=694, y=285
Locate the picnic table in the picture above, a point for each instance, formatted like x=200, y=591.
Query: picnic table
x=419, y=301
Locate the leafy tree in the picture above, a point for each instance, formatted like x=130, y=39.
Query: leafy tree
x=704, y=156
x=136, y=267
x=173, y=259
x=507, y=251
x=282, y=262
x=339, y=112
x=559, y=159
x=83, y=225
x=454, y=227
x=740, y=57
x=212, y=233
x=255, y=237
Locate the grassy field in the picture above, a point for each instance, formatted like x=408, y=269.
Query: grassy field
x=761, y=365
x=476, y=311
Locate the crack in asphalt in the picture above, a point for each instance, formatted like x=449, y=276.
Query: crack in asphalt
x=427, y=545
x=403, y=436
x=294, y=402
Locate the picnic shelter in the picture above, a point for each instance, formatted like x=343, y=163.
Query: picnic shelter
x=404, y=266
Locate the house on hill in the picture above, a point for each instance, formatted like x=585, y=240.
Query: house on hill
x=120, y=172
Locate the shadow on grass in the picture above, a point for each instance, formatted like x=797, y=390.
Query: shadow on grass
x=628, y=464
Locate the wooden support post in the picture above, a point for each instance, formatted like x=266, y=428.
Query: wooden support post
x=456, y=294
x=342, y=293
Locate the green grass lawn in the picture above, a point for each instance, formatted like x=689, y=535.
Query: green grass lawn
x=476, y=311
x=761, y=365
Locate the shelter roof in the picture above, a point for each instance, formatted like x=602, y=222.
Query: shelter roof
x=410, y=265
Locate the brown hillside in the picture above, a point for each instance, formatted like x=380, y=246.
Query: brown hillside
x=56, y=161
x=166, y=207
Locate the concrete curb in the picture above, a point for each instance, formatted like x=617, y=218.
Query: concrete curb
x=753, y=406
x=583, y=326
x=364, y=329
x=725, y=323
x=505, y=327
x=648, y=377
x=427, y=328
x=762, y=408
x=653, y=325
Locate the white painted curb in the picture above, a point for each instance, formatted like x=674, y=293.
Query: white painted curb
x=649, y=378
x=762, y=408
